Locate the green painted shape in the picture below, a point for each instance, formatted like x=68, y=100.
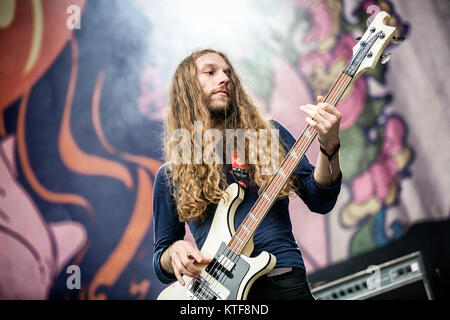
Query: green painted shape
x=373, y=149
x=372, y=111
x=362, y=240
x=352, y=144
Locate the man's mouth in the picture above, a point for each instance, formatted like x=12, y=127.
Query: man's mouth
x=223, y=93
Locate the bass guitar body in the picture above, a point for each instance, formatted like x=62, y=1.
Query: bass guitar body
x=229, y=276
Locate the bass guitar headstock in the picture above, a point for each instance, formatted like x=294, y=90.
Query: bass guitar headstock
x=371, y=45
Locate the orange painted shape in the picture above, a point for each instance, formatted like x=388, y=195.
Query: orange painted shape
x=71, y=154
x=135, y=232
x=31, y=176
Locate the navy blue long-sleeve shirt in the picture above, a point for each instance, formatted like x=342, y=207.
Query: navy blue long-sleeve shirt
x=274, y=234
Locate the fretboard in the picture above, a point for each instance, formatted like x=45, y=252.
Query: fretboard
x=270, y=193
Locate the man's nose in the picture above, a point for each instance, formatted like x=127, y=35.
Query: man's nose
x=223, y=78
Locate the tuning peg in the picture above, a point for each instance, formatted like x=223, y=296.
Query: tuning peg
x=398, y=39
x=385, y=58
x=394, y=39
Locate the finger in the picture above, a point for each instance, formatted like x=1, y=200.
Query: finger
x=315, y=125
x=197, y=255
x=320, y=99
x=330, y=119
x=188, y=273
x=183, y=263
x=330, y=109
x=310, y=110
x=314, y=113
x=180, y=266
x=195, y=271
x=178, y=276
x=189, y=265
x=321, y=123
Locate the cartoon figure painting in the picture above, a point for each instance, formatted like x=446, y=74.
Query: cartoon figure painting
x=32, y=252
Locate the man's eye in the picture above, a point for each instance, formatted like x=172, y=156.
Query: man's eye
x=209, y=72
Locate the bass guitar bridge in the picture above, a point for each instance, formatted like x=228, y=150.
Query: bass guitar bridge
x=201, y=289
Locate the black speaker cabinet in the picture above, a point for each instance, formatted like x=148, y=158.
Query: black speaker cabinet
x=404, y=278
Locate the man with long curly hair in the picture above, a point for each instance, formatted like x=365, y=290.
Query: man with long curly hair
x=206, y=91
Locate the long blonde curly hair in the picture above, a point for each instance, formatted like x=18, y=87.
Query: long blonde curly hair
x=195, y=186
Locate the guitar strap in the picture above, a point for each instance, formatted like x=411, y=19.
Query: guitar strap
x=239, y=171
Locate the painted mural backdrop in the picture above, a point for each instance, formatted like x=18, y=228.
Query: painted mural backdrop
x=83, y=93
